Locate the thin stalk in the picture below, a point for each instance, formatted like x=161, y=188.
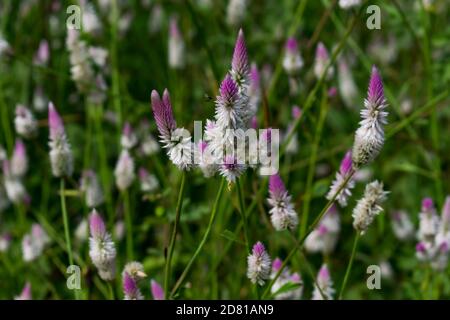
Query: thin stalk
x=299, y=244
x=173, y=236
x=66, y=226
x=129, y=225
x=202, y=242
x=312, y=162
x=349, y=266
x=110, y=292
x=243, y=213
x=5, y=122
x=114, y=61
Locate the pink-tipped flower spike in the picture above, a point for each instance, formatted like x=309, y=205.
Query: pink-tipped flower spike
x=24, y=122
x=229, y=107
x=325, y=283
x=176, y=46
x=321, y=61
x=130, y=288
x=42, y=54
x=5, y=242
x=347, y=4
x=402, y=225
x=292, y=61
x=26, y=293
x=259, y=264
x=236, y=12
x=90, y=187
x=148, y=181
x=369, y=206
x=61, y=157
x=19, y=160
x=296, y=112
x=346, y=84
x=325, y=236
x=157, y=290
x=282, y=212
x=369, y=138
x=276, y=265
x=239, y=64
x=163, y=114
x=428, y=221
x=128, y=139
x=101, y=247
x=341, y=175
x=124, y=171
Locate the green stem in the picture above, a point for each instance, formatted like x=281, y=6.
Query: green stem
x=110, y=291
x=5, y=122
x=66, y=226
x=114, y=61
x=243, y=213
x=129, y=225
x=202, y=242
x=350, y=264
x=312, y=162
x=174, y=236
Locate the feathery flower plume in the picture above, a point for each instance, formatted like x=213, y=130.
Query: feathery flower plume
x=229, y=107
x=176, y=46
x=101, y=247
x=282, y=213
x=402, y=225
x=369, y=206
x=19, y=160
x=90, y=187
x=130, y=288
x=324, y=237
x=61, y=157
x=292, y=61
x=26, y=293
x=177, y=140
x=259, y=264
x=148, y=181
x=321, y=61
x=24, y=122
x=325, y=283
x=128, y=139
x=239, y=64
x=369, y=138
x=347, y=4
x=157, y=290
x=124, y=171
x=236, y=12
x=341, y=175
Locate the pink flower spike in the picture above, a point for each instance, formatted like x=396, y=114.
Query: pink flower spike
x=346, y=164
x=239, y=63
x=26, y=293
x=129, y=286
x=228, y=90
x=292, y=45
x=321, y=52
x=420, y=247
x=157, y=290
x=163, y=114
x=276, y=264
x=324, y=274
x=174, y=30
x=96, y=225
x=255, y=79
x=375, y=93
x=55, y=122
x=276, y=186
x=296, y=112
x=427, y=204
x=254, y=122
x=43, y=53
x=19, y=149
x=258, y=249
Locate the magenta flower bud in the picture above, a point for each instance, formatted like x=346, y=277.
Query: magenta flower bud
x=276, y=265
x=55, y=122
x=291, y=45
x=420, y=247
x=427, y=205
x=96, y=225
x=296, y=112
x=228, y=91
x=276, y=186
x=321, y=61
x=375, y=92
x=346, y=164
x=239, y=63
x=130, y=288
x=163, y=114
x=292, y=61
x=26, y=293
x=5, y=241
x=157, y=290
x=231, y=169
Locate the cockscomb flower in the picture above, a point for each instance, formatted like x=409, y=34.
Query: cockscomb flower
x=369, y=138
x=135, y=270
x=428, y=221
x=128, y=139
x=130, y=288
x=177, y=140
x=324, y=237
x=344, y=170
x=26, y=293
x=369, y=206
x=61, y=157
x=402, y=225
x=346, y=84
x=325, y=283
x=148, y=181
x=19, y=160
x=176, y=46
x=157, y=290
x=347, y=4
x=292, y=61
x=231, y=169
x=229, y=108
x=282, y=212
x=24, y=122
x=236, y=11
x=239, y=64
x=124, y=171
x=90, y=187
x=321, y=61
x=101, y=247
x=258, y=264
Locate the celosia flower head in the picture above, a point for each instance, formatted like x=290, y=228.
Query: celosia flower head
x=163, y=114
x=239, y=63
x=282, y=212
x=130, y=288
x=259, y=264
